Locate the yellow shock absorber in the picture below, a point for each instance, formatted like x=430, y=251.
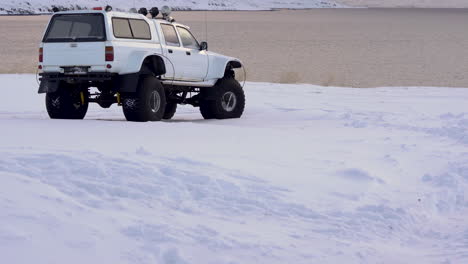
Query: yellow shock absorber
x=82, y=98
x=118, y=99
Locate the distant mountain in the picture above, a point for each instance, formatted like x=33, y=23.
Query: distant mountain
x=45, y=6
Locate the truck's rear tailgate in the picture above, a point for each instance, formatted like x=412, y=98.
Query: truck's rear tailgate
x=74, y=54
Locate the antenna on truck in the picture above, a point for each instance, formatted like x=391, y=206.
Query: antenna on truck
x=206, y=25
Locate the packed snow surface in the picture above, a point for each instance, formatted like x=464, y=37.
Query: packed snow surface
x=44, y=6
x=309, y=175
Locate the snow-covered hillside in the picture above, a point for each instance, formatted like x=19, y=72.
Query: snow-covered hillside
x=309, y=175
x=44, y=6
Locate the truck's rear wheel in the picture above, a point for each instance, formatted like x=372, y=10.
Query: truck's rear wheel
x=68, y=102
x=225, y=100
x=147, y=104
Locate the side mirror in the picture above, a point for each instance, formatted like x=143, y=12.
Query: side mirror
x=204, y=45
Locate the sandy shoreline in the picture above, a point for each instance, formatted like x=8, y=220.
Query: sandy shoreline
x=338, y=47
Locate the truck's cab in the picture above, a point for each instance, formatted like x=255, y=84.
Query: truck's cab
x=132, y=59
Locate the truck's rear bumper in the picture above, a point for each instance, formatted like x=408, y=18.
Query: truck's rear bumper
x=51, y=80
x=91, y=76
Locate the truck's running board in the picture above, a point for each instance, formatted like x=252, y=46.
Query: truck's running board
x=209, y=83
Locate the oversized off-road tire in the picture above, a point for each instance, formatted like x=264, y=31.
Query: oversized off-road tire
x=147, y=104
x=68, y=102
x=225, y=100
x=171, y=108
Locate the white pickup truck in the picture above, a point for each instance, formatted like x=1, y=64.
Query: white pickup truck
x=146, y=64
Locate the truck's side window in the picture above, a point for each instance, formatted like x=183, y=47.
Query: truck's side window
x=121, y=28
x=170, y=35
x=140, y=29
x=131, y=28
x=188, y=40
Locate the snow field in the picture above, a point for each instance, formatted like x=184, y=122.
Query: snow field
x=309, y=175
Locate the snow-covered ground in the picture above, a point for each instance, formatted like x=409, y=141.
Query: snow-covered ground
x=309, y=175
x=44, y=6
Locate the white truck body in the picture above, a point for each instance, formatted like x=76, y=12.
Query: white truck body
x=146, y=65
x=184, y=65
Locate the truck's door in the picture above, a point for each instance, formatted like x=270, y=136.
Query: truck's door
x=196, y=66
x=174, y=51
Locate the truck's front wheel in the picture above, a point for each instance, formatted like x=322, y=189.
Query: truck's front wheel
x=147, y=104
x=68, y=102
x=225, y=100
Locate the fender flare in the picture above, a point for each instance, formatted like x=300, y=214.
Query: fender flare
x=234, y=63
x=153, y=64
x=230, y=65
x=150, y=65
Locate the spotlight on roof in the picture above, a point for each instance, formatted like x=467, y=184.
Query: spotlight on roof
x=154, y=12
x=166, y=11
x=143, y=11
x=108, y=8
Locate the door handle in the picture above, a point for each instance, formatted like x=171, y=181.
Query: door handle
x=171, y=51
x=188, y=53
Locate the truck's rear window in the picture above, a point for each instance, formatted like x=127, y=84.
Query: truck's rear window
x=76, y=28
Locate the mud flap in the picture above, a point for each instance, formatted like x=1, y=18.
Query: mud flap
x=48, y=86
x=126, y=83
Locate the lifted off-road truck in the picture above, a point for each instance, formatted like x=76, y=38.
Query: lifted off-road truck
x=146, y=64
